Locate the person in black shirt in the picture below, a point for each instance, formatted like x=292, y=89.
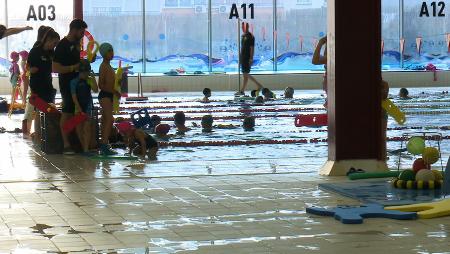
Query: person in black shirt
x=40, y=66
x=5, y=32
x=66, y=63
x=246, y=57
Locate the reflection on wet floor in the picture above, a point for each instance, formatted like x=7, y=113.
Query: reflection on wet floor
x=250, y=201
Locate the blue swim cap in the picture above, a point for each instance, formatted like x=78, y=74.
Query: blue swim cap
x=105, y=48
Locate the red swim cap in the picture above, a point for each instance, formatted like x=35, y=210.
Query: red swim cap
x=162, y=129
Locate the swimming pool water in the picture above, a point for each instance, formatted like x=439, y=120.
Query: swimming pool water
x=428, y=109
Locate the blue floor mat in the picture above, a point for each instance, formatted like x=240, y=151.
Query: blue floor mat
x=382, y=192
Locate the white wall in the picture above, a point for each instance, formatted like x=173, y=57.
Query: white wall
x=224, y=82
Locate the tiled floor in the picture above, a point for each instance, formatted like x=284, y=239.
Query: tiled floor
x=57, y=204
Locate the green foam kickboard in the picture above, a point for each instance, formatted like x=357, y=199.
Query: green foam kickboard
x=357, y=176
x=115, y=157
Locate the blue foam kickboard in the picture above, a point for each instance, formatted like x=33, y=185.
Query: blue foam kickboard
x=382, y=192
x=356, y=214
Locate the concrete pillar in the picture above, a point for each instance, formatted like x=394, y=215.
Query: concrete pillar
x=354, y=89
x=78, y=9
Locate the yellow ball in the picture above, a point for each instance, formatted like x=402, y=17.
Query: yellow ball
x=437, y=175
x=425, y=175
x=415, y=145
x=430, y=155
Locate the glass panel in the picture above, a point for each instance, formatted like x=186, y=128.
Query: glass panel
x=176, y=35
x=34, y=13
x=119, y=23
x=4, y=63
x=391, y=34
x=432, y=29
x=225, y=34
x=300, y=24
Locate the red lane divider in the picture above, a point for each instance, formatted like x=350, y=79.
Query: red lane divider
x=222, y=117
x=261, y=142
x=207, y=106
x=247, y=110
x=232, y=143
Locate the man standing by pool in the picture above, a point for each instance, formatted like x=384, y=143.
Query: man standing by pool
x=246, y=57
x=65, y=63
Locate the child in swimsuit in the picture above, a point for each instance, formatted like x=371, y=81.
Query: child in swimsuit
x=105, y=97
x=80, y=88
x=139, y=142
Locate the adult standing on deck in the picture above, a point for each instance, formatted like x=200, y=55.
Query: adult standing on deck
x=246, y=57
x=66, y=64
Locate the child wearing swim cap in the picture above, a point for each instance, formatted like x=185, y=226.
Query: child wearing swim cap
x=180, y=122
x=249, y=123
x=139, y=142
x=289, y=93
x=161, y=131
x=105, y=97
x=207, y=123
x=207, y=94
x=80, y=88
x=268, y=95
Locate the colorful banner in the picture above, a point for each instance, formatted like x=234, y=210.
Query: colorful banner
x=448, y=42
x=419, y=44
x=314, y=41
x=288, y=40
x=300, y=38
x=402, y=45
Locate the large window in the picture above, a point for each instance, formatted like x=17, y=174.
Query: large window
x=176, y=36
x=159, y=36
x=3, y=49
x=431, y=29
x=391, y=34
x=119, y=23
x=225, y=32
x=300, y=26
x=34, y=13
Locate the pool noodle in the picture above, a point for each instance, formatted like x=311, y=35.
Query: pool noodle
x=117, y=81
x=357, y=176
x=393, y=111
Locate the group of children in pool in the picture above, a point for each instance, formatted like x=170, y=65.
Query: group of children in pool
x=267, y=95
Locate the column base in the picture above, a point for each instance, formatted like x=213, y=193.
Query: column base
x=340, y=168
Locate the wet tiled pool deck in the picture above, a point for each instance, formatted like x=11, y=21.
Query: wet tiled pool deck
x=60, y=204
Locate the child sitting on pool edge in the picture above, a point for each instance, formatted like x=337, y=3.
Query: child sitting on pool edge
x=207, y=94
x=139, y=142
x=180, y=122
